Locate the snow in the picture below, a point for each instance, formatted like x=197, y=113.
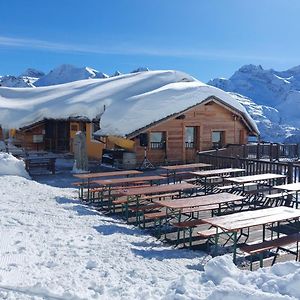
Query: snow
x=10, y=165
x=153, y=94
x=68, y=73
x=54, y=247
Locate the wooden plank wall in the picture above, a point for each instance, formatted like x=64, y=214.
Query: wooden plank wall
x=207, y=118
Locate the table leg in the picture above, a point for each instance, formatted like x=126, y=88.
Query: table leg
x=234, y=246
x=88, y=189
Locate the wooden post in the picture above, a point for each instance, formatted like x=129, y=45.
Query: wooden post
x=271, y=151
x=244, y=151
x=278, y=152
x=258, y=151
x=290, y=180
x=290, y=173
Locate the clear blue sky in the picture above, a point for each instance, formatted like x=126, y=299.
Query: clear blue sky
x=206, y=39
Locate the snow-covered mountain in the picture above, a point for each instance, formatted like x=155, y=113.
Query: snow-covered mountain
x=62, y=74
x=26, y=79
x=268, y=91
x=269, y=121
x=68, y=73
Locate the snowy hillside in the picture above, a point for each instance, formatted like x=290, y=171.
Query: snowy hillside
x=276, y=91
x=118, y=99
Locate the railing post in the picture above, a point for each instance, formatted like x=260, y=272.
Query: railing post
x=290, y=173
x=244, y=151
x=258, y=151
x=278, y=152
x=271, y=151
x=290, y=180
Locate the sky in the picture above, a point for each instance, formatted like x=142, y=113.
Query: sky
x=206, y=39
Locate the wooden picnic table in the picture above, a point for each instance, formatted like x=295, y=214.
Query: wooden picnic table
x=181, y=203
x=107, y=174
x=233, y=223
x=118, y=181
x=290, y=187
x=134, y=194
x=168, y=188
x=216, y=172
x=172, y=170
x=89, y=176
x=242, y=180
x=39, y=162
x=107, y=184
x=254, y=178
x=202, y=203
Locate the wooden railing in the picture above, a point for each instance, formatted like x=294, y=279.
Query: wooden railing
x=252, y=166
x=270, y=151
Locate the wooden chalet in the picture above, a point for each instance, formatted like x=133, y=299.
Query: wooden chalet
x=177, y=138
x=56, y=135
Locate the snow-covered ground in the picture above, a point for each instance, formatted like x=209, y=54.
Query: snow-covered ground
x=54, y=247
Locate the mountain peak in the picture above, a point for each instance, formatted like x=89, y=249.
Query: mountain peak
x=140, y=69
x=250, y=68
x=68, y=73
x=30, y=72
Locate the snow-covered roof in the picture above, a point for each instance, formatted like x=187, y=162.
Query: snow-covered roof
x=127, y=102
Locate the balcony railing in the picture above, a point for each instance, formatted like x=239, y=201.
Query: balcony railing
x=189, y=145
x=157, y=145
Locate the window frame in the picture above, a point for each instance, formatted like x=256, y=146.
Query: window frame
x=192, y=144
x=155, y=145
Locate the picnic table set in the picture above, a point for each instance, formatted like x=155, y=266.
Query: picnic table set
x=219, y=207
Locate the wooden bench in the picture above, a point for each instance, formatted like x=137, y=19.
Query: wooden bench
x=229, y=187
x=279, y=195
x=200, y=208
x=155, y=215
x=208, y=233
x=264, y=246
x=184, y=226
x=160, y=196
x=40, y=162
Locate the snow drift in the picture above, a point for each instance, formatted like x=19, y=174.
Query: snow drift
x=10, y=165
x=126, y=102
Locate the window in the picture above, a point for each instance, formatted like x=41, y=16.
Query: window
x=74, y=127
x=157, y=140
x=217, y=138
x=190, y=137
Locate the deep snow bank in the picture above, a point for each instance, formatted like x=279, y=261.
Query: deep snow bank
x=10, y=165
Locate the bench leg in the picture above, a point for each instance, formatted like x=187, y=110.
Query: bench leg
x=251, y=263
x=276, y=254
x=191, y=236
x=261, y=260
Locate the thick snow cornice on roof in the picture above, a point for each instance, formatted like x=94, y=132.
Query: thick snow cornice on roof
x=131, y=101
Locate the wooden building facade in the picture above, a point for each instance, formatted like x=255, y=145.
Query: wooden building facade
x=56, y=135
x=208, y=125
